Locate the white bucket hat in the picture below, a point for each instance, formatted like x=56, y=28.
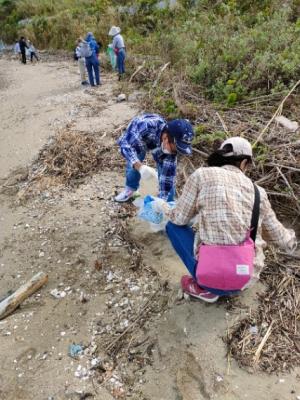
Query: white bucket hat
x=114, y=30
x=240, y=147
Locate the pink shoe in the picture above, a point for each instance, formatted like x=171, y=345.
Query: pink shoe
x=190, y=286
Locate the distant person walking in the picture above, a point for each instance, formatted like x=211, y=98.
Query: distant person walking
x=119, y=48
x=23, y=47
x=32, y=51
x=89, y=50
x=17, y=50
x=81, y=62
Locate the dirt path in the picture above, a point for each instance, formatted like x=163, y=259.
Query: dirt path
x=174, y=349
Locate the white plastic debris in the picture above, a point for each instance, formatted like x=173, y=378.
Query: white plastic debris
x=121, y=97
x=83, y=298
x=81, y=372
x=110, y=276
x=135, y=288
x=253, y=330
x=186, y=296
x=95, y=362
x=58, y=294
x=124, y=324
x=286, y=123
x=180, y=294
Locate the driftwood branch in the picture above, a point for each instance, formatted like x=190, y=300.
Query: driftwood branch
x=202, y=153
x=160, y=74
x=262, y=343
x=8, y=305
x=223, y=124
x=277, y=113
x=290, y=188
x=137, y=71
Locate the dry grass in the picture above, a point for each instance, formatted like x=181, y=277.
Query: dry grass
x=67, y=159
x=269, y=338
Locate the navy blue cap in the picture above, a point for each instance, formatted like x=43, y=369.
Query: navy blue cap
x=182, y=131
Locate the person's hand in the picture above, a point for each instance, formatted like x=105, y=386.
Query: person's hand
x=159, y=205
x=292, y=243
x=137, y=165
x=148, y=172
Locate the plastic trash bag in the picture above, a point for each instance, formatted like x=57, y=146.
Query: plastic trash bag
x=112, y=56
x=157, y=221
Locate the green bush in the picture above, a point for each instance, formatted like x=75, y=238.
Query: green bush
x=230, y=49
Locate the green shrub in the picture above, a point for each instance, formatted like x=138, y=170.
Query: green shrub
x=230, y=49
x=166, y=106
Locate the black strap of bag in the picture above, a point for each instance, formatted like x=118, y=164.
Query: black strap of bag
x=255, y=213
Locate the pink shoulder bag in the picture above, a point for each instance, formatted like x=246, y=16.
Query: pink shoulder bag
x=229, y=267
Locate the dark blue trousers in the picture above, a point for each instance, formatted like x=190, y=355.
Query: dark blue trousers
x=93, y=68
x=121, y=61
x=182, y=239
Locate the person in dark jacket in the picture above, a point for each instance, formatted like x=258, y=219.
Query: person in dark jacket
x=23, y=46
x=92, y=62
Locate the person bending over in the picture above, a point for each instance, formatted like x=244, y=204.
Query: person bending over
x=151, y=132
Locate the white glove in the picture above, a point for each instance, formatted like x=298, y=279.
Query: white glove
x=159, y=205
x=148, y=172
x=292, y=243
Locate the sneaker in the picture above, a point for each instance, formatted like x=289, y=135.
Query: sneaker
x=127, y=194
x=84, y=83
x=190, y=286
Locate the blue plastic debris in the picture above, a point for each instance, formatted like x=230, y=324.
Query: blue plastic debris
x=148, y=214
x=75, y=350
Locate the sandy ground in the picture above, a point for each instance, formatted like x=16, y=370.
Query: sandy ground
x=176, y=351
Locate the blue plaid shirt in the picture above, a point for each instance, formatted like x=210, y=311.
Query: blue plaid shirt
x=143, y=134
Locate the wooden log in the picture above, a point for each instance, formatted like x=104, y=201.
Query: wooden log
x=8, y=305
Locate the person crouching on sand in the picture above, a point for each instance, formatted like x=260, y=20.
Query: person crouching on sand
x=234, y=219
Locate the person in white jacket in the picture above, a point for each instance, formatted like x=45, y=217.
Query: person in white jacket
x=32, y=51
x=81, y=62
x=17, y=50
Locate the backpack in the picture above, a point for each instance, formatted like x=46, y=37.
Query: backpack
x=75, y=55
x=85, y=50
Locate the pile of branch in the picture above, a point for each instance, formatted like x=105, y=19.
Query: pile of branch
x=70, y=155
x=276, y=149
x=269, y=338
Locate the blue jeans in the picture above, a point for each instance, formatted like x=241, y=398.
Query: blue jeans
x=182, y=239
x=133, y=176
x=92, y=64
x=121, y=61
